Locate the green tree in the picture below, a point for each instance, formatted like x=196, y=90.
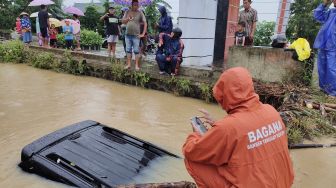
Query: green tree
x=264, y=31
x=301, y=20
x=152, y=14
x=91, y=20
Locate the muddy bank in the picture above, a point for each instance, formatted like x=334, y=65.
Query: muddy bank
x=37, y=102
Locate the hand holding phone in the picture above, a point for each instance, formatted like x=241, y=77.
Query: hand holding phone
x=198, y=125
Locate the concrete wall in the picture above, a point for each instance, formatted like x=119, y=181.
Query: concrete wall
x=197, y=19
x=266, y=64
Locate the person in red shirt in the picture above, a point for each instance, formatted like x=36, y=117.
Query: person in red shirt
x=18, y=25
x=246, y=148
x=53, y=36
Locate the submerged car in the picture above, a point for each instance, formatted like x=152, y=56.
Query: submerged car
x=89, y=154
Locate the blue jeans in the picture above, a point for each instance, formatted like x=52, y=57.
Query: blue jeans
x=132, y=42
x=166, y=66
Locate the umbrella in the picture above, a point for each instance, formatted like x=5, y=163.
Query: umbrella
x=55, y=21
x=35, y=3
x=73, y=23
x=129, y=2
x=74, y=10
x=35, y=14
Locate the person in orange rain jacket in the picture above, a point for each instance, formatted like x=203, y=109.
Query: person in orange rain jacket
x=247, y=148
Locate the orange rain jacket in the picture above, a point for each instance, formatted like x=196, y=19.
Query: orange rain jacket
x=247, y=148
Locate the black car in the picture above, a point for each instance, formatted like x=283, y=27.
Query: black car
x=89, y=154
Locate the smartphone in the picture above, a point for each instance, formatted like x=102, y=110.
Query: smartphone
x=198, y=125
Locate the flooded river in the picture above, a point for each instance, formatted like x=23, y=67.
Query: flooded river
x=36, y=102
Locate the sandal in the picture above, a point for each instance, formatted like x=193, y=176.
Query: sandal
x=137, y=68
x=127, y=68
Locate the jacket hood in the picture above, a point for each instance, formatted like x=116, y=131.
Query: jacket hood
x=163, y=10
x=234, y=91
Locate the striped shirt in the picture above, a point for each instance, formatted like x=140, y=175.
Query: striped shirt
x=249, y=16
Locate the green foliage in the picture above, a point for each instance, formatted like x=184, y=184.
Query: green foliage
x=206, y=92
x=60, y=39
x=141, y=78
x=183, y=86
x=90, y=38
x=309, y=126
x=43, y=60
x=118, y=72
x=73, y=66
x=152, y=14
x=91, y=20
x=305, y=74
x=264, y=31
x=12, y=52
x=301, y=21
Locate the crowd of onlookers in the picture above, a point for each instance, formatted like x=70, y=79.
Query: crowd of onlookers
x=130, y=27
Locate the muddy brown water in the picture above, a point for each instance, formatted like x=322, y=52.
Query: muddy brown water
x=36, y=102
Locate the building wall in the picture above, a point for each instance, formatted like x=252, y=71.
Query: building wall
x=208, y=30
x=197, y=19
x=231, y=26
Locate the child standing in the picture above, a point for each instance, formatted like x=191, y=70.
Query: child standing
x=112, y=30
x=26, y=28
x=240, y=34
x=53, y=36
x=68, y=34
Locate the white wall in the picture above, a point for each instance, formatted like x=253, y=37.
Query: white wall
x=197, y=19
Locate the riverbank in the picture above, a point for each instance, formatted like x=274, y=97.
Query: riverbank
x=288, y=98
x=36, y=102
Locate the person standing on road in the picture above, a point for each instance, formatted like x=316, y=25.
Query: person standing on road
x=250, y=17
x=43, y=18
x=112, y=30
x=132, y=19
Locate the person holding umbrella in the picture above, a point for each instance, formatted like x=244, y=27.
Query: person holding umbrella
x=68, y=34
x=76, y=13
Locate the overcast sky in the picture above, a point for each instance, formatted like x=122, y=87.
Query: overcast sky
x=267, y=9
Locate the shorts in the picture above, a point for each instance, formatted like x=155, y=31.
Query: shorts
x=77, y=37
x=44, y=32
x=132, y=42
x=112, y=38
